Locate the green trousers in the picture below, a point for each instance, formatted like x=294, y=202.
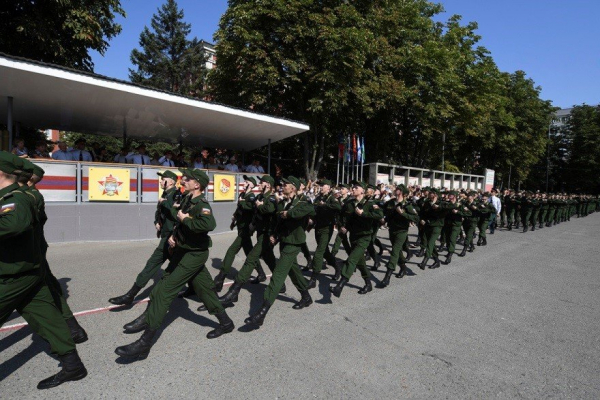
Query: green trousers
x=286, y=265
x=156, y=260
x=432, y=233
x=469, y=227
x=31, y=297
x=56, y=291
x=551, y=214
x=482, y=225
x=356, y=259
x=421, y=235
x=323, y=236
x=535, y=215
x=183, y=267
x=339, y=240
x=263, y=249
x=398, y=239
x=305, y=251
x=510, y=216
x=242, y=241
x=543, y=214
x=451, y=236
x=503, y=216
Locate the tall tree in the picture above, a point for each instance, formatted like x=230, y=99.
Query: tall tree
x=584, y=155
x=59, y=31
x=167, y=59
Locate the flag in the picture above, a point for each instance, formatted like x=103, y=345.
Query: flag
x=358, y=150
x=363, y=150
x=341, y=146
x=348, y=150
x=354, y=146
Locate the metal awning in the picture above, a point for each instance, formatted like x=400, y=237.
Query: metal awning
x=53, y=97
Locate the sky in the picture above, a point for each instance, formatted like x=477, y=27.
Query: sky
x=555, y=42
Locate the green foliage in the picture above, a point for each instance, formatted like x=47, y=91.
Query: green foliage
x=384, y=69
x=168, y=60
x=582, y=167
x=59, y=31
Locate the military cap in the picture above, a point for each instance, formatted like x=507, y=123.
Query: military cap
x=359, y=183
x=269, y=179
x=302, y=181
x=196, y=175
x=472, y=193
x=27, y=166
x=250, y=179
x=369, y=186
x=7, y=162
x=38, y=171
x=325, y=182
x=292, y=180
x=344, y=185
x=403, y=189
x=168, y=174
x=486, y=194
x=434, y=190
x=453, y=193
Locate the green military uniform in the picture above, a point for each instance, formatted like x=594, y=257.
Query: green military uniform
x=420, y=227
x=526, y=209
x=552, y=207
x=453, y=224
x=486, y=210
x=544, y=207
x=326, y=208
x=399, y=215
x=470, y=223
x=535, y=211
x=432, y=219
x=341, y=238
x=509, y=207
x=243, y=218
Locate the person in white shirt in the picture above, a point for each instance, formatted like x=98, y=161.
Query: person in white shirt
x=140, y=158
x=258, y=167
x=167, y=159
x=62, y=154
x=498, y=205
x=79, y=153
x=232, y=166
x=121, y=158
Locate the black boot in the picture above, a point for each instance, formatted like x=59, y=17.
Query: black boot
x=72, y=370
x=421, y=253
x=259, y=317
x=484, y=242
x=525, y=228
x=402, y=272
x=312, y=283
x=479, y=241
x=510, y=227
x=77, y=332
x=337, y=289
x=305, y=301
x=424, y=263
x=232, y=294
x=448, y=259
x=408, y=255
x=283, y=289
x=386, y=279
x=137, y=325
x=338, y=271
x=541, y=225
x=220, y=280
x=436, y=263
x=127, y=298
x=532, y=227
x=225, y=326
x=464, y=251
x=367, y=288
x=187, y=293
x=261, y=277
x=140, y=348
x=377, y=264
x=380, y=253
x=471, y=247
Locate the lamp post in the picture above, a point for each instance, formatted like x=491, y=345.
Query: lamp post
x=548, y=157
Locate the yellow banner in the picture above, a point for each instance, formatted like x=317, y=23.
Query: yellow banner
x=108, y=184
x=224, y=187
x=177, y=184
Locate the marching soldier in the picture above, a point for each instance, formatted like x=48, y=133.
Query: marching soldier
x=374, y=196
x=470, y=223
x=544, y=206
x=398, y=215
x=22, y=285
x=526, y=209
x=290, y=232
x=509, y=206
x=305, y=251
x=340, y=238
x=535, y=212
x=424, y=198
x=486, y=210
x=163, y=222
x=327, y=208
x=189, y=243
x=453, y=224
x=358, y=216
x=432, y=217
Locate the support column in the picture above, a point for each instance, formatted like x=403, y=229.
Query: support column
x=9, y=122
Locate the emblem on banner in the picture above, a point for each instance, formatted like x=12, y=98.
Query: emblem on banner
x=110, y=186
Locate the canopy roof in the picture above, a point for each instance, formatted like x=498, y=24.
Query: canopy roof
x=53, y=97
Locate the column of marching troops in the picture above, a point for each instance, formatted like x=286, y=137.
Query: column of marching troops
x=183, y=222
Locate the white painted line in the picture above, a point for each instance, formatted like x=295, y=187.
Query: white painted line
x=94, y=311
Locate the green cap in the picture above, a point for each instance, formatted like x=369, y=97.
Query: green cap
x=369, y=186
x=434, y=190
x=7, y=162
x=344, y=185
x=269, y=179
x=168, y=174
x=293, y=181
x=453, y=193
x=325, y=182
x=38, y=171
x=403, y=189
x=196, y=175
x=302, y=181
x=359, y=183
x=250, y=179
x=472, y=193
x=486, y=194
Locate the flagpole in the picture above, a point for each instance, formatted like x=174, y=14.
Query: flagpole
x=362, y=160
x=337, y=174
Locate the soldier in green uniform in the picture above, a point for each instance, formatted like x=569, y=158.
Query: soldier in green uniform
x=327, y=209
x=373, y=195
x=358, y=216
x=486, y=211
x=304, y=249
x=432, y=216
x=189, y=243
x=424, y=198
x=398, y=216
x=22, y=285
x=509, y=206
x=453, y=223
x=544, y=206
x=290, y=232
x=30, y=175
x=241, y=218
x=470, y=223
x=164, y=222
x=535, y=211
x=552, y=206
x=526, y=209
x=339, y=238
x=265, y=208
x=503, y=213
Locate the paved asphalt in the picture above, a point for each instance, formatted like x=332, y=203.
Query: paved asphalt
x=517, y=318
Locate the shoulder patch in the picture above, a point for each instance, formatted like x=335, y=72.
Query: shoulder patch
x=206, y=211
x=8, y=208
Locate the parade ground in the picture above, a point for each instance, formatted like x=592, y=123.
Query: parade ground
x=518, y=318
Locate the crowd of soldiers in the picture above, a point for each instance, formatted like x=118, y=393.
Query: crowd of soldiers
x=280, y=218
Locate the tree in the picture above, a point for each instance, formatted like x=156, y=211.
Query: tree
x=584, y=161
x=59, y=31
x=168, y=60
